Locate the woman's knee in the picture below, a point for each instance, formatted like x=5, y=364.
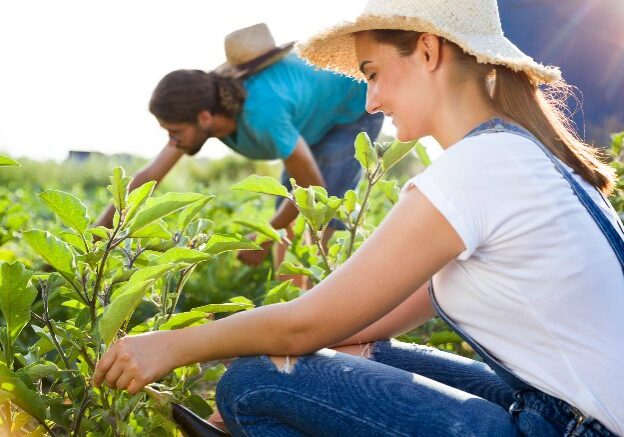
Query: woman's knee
x=242, y=374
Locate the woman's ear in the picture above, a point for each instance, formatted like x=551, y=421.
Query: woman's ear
x=430, y=49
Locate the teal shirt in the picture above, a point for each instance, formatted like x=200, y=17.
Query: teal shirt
x=290, y=99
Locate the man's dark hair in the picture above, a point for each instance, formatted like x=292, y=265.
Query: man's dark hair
x=182, y=94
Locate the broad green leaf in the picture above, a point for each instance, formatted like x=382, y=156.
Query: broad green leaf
x=38, y=371
x=5, y=161
x=285, y=291
x=288, y=268
x=261, y=184
x=5, y=396
x=100, y=232
x=189, y=213
x=261, y=227
x=16, y=297
x=617, y=139
x=158, y=207
x=182, y=255
x=332, y=205
x=156, y=229
x=218, y=243
x=151, y=273
x=443, y=337
x=395, y=152
x=365, y=152
x=390, y=189
x=73, y=303
x=214, y=373
x=182, y=320
x=71, y=211
x=73, y=240
x=224, y=307
x=307, y=206
x=119, y=188
x=121, y=309
x=55, y=252
x=198, y=405
x=422, y=154
x=137, y=198
x=350, y=201
x=28, y=400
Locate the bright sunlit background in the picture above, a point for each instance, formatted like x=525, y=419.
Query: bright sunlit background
x=78, y=75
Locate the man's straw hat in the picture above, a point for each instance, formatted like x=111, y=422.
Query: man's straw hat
x=474, y=25
x=251, y=49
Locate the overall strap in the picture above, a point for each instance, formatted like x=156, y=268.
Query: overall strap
x=503, y=372
x=614, y=238
x=606, y=226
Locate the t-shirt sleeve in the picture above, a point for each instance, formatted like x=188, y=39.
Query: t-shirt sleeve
x=457, y=184
x=271, y=126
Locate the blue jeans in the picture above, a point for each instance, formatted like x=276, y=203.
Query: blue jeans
x=402, y=390
x=334, y=155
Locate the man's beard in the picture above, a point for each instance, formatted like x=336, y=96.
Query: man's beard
x=206, y=135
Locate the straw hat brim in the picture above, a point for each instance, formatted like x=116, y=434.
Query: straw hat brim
x=276, y=54
x=334, y=48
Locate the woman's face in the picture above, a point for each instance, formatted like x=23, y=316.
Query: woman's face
x=395, y=86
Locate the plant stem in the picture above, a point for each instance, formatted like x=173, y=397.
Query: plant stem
x=98, y=280
x=371, y=182
x=184, y=274
x=321, y=249
x=83, y=408
x=46, y=319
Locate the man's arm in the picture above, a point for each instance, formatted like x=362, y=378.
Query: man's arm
x=301, y=166
x=155, y=171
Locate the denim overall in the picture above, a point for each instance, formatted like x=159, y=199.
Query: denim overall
x=537, y=413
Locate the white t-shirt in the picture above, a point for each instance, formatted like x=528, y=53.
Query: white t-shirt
x=538, y=285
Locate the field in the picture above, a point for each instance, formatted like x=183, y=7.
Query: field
x=68, y=289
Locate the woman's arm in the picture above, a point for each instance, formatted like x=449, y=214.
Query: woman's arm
x=412, y=243
x=410, y=314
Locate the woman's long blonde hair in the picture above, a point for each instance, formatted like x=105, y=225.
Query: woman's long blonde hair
x=541, y=110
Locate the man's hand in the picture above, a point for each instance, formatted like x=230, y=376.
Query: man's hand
x=135, y=361
x=255, y=257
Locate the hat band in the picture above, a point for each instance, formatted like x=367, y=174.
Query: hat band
x=249, y=67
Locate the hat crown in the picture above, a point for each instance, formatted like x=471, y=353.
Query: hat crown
x=455, y=16
x=244, y=45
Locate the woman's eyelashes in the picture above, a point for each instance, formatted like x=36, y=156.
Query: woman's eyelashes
x=371, y=76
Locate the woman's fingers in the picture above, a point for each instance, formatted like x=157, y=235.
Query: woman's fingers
x=136, y=386
x=113, y=374
x=124, y=380
x=103, y=366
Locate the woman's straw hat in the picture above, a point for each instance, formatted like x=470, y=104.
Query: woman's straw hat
x=474, y=25
x=251, y=49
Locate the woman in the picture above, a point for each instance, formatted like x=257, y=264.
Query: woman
x=520, y=268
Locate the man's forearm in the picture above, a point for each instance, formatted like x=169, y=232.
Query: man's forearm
x=106, y=219
x=285, y=214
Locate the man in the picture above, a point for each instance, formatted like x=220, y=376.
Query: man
x=264, y=103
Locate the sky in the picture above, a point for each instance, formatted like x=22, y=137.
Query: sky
x=78, y=74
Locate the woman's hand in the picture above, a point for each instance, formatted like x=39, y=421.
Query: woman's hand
x=135, y=361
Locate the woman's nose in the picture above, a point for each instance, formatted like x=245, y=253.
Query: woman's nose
x=372, y=104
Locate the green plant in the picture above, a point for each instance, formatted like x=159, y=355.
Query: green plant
x=104, y=276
